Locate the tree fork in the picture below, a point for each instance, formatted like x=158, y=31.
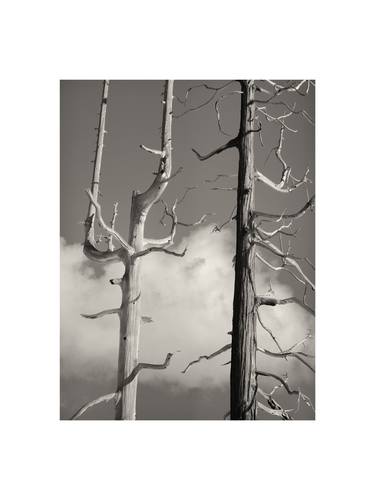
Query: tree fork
x=243, y=378
x=130, y=310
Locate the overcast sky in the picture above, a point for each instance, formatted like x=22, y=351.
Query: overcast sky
x=188, y=299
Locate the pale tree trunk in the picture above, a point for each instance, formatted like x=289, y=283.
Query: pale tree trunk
x=243, y=361
x=130, y=315
x=130, y=254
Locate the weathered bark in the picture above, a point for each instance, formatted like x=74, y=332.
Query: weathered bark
x=130, y=252
x=98, y=154
x=243, y=379
x=130, y=315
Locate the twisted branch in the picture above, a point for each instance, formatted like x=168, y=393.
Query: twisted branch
x=117, y=395
x=233, y=143
x=109, y=230
x=208, y=356
x=100, y=314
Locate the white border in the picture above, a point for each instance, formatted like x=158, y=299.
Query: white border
x=47, y=41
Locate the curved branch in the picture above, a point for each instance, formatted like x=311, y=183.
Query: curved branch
x=281, y=380
x=292, y=354
x=296, y=215
x=289, y=259
x=158, y=249
x=153, y=151
x=280, y=230
x=219, y=176
x=274, y=405
x=117, y=395
x=100, y=314
x=196, y=223
x=208, y=356
x=281, y=187
x=275, y=409
x=233, y=143
x=228, y=221
x=96, y=255
x=279, y=119
x=218, y=111
x=102, y=399
x=280, y=268
x=109, y=230
x=200, y=106
x=269, y=331
x=224, y=188
x=263, y=300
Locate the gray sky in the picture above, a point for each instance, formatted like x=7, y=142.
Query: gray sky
x=189, y=299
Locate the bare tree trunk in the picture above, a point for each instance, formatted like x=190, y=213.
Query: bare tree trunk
x=130, y=311
x=243, y=359
x=130, y=320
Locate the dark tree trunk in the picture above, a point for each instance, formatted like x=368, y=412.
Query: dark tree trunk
x=243, y=381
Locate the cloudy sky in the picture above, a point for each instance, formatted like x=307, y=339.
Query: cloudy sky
x=189, y=299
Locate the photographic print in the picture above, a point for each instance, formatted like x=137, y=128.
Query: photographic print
x=187, y=250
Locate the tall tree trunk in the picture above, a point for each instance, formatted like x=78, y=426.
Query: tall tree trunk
x=130, y=253
x=130, y=311
x=243, y=381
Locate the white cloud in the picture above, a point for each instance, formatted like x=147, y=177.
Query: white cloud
x=190, y=302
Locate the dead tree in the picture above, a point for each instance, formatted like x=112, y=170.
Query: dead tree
x=130, y=253
x=252, y=237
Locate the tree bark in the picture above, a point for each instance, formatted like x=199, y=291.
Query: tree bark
x=130, y=311
x=243, y=380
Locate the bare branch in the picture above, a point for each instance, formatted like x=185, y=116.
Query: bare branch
x=302, y=112
x=185, y=193
x=277, y=411
x=208, y=356
x=296, y=215
x=102, y=399
x=117, y=395
x=113, y=221
x=283, y=267
x=233, y=143
x=231, y=218
x=280, y=230
x=96, y=255
x=269, y=331
x=287, y=258
x=274, y=405
x=196, y=223
x=279, y=119
x=205, y=103
x=281, y=187
x=218, y=110
x=168, y=241
x=292, y=354
x=219, y=176
x=102, y=313
x=109, y=230
x=281, y=380
x=153, y=151
x=167, y=179
x=158, y=249
x=271, y=301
